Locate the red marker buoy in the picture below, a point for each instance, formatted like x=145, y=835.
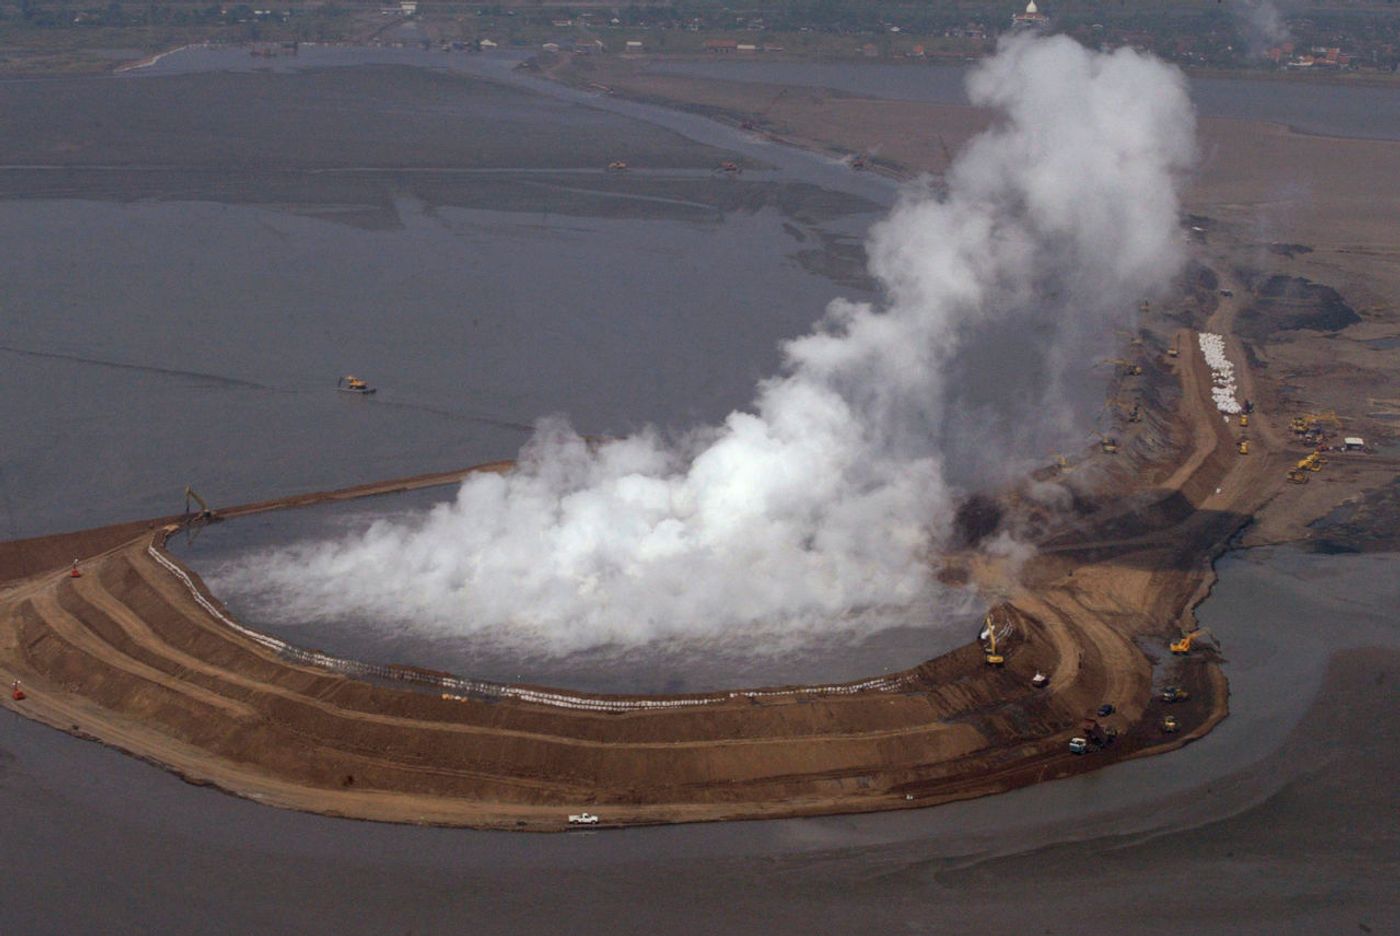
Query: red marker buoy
x=75, y=573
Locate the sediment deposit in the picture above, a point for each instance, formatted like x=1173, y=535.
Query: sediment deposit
x=137, y=654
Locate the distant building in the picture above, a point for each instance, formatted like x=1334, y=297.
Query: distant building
x=746, y=47
x=1031, y=19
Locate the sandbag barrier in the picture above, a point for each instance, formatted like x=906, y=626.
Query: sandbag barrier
x=1222, y=373
x=461, y=689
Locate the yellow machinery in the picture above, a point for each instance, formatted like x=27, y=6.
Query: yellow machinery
x=1244, y=419
x=1108, y=444
x=1313, y=422
x=1297, y=476
x=1172, y=350
x=352, y=384
x=1182, y=646
x=993, y=658
x=1244, y=446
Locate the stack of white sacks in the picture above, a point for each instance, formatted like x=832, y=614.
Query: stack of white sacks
x=1222, y=373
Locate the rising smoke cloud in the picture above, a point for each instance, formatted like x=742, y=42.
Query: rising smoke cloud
x=1261, y=24
x=819, y=509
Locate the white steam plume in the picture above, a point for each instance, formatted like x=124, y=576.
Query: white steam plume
x=820, y=508
x=1261, y=24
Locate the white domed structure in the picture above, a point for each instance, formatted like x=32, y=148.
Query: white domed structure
x=1031, y=18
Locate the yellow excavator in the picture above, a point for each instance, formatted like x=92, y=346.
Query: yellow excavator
x=993, y=658
x=352, y=384
x=1182, y=646
x=1108, y=443
x=1244, y=446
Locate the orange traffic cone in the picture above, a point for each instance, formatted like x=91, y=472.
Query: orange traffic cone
x=75, y=573
x=16, y=692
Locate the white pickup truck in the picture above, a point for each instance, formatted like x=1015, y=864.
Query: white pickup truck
x=582, y=818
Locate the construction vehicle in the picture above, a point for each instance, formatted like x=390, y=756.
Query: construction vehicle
x=1182, y=646
x=617, y=165
x=1170, y=725
x=1173, y=694
x=16, y=692
x=1172, y=349
x=583, y=818
x=1078, y=745
x=205, y=513
x=1108, y=443
x=1135, y=414
x=1244, y=420
x=1297, y=476
x=1040, y=680
x=1311, y=462
x=1106, y=709
x=989, y=634
x=352, y=384
x=1244, y=446
x=1129, y=369
x=1098, y=735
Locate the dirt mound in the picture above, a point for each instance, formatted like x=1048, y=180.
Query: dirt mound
x=1292, y=303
